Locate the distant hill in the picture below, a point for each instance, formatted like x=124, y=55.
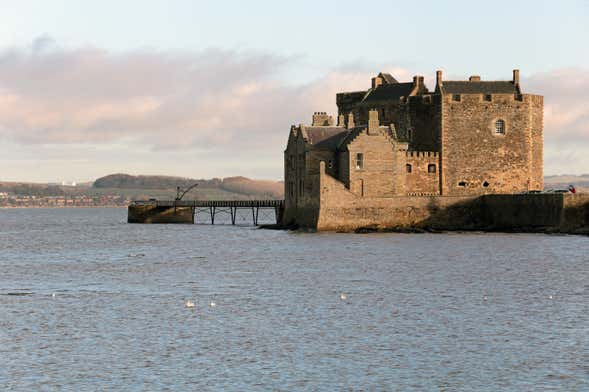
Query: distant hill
x=562, y=181
x=230, y=187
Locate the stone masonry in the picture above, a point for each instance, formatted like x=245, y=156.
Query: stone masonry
x=398, y=141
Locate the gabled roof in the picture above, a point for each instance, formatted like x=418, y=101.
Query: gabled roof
x=387, y=77
x=479, y=87
x=324, y=138
x=354, y=132
x=389, y=92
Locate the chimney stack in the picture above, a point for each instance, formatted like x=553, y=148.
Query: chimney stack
x=439, y=78
x=516, y=76
x=376, y=81
x=418, y=80
x=373, y=123
x=322, y=119
x=474, y=78
x=351, y=120
x=341, y=120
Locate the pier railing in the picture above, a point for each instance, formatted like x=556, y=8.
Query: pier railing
x=212, y=208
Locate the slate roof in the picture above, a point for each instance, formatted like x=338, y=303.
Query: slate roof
x=325, y=138
x=389, y=91
x=483, y=87
x=388, y=78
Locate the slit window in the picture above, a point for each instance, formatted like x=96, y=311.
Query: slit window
x=431, y=168
x=500, y=127
x=359, y=161
x=408, y=168
x=462, y=183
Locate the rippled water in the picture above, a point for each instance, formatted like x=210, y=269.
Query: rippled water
x=88, y=302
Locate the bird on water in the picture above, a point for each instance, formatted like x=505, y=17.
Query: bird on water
x=189, y=304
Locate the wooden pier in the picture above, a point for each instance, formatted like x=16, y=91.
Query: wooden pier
x=186, y=211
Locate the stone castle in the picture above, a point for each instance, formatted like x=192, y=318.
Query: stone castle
x=400, y=151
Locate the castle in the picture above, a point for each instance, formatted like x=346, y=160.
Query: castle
x=398, y=149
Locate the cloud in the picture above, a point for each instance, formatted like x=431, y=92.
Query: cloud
x=224, y=102
x=566, y=118
x=206, y=99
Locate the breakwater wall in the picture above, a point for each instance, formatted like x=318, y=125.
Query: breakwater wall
x=153, y=213
x=554, y=213
x=334, y=207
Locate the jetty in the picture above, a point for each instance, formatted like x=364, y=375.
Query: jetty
x=186, y=211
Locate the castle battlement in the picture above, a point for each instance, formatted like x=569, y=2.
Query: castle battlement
x=421, y=154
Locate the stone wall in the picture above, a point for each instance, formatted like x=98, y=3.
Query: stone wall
x=150, y=213
x=424, y=177
x=474, y=155
x=422, y=115
x=382, y=173
x=341, y=210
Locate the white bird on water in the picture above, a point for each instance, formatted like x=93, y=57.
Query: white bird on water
x=212, y=304
x=343, y=296
x=53, y=295
x=189, y=304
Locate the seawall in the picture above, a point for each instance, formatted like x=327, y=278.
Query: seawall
x=341, y=210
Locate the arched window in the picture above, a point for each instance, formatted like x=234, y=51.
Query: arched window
x=431, y=168
x=500, y=127
x=408, y=168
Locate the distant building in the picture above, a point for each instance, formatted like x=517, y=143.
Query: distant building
x=465, y=138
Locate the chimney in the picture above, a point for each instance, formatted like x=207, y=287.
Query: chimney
x=516, y=76
x=439, y=78
x=474, y=78
x=373, y=123
x=418, y=81
x=351, y=120
x=341, y=119
x=376, y=81
x=322, y=119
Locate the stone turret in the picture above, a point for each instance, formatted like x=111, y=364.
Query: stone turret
x=322, y=119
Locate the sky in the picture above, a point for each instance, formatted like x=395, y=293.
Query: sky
x=210, y=89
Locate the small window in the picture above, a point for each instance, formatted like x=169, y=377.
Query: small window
x=359, y=161
x=485, y=184
x=431, y=168
x=408, y=168
x=410, y=134
x=330, y=164
x=488, y=97
x=456, y=97
x=462, y=183
x=301, y=187
x=500, y=127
